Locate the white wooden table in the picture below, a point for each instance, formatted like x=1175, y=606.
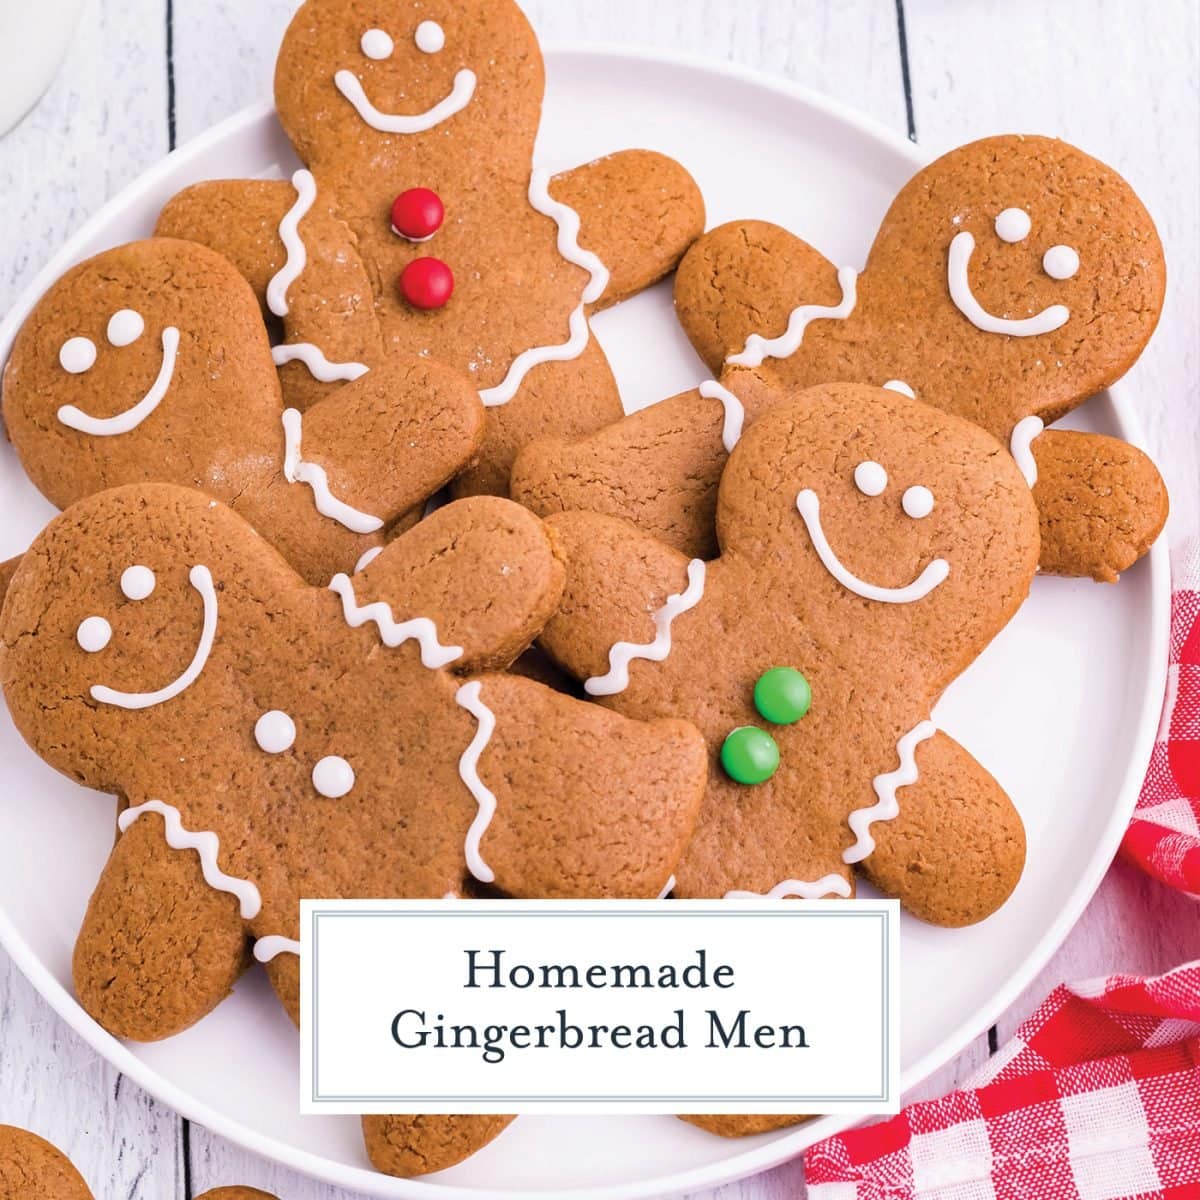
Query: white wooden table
x=1118, y=77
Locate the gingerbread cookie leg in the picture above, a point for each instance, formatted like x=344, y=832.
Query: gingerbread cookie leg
x=612, y=823
x=409, y=1146
x=1101, y=501
x=153, y=919
x=742, y=1126
x=569, y=398
x=957, y=849
x=639, y=212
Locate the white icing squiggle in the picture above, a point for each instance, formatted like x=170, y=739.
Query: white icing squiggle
x=735, y=412
x=623, y=653
x=131, y=418
x=831, y=885
x=392, y=632
x=460, y=96
x=289, y=234
x=469, y=697
x=1024, y=433
x=667, y=889
x=888, y=807
x=567, y=220
x=367, y=559
x=269, y=948
x=296, y=470
x=759, y=348
x=201, y=579
x=206, y=845
x=932, y=576
x=319, y=367
x=1047, y=321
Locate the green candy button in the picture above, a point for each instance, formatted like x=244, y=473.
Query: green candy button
x=750, y=755
x=782, y=696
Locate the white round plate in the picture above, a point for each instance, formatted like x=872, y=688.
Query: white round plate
x=1062, y=708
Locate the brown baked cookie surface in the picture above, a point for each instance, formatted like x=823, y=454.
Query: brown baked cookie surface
x=408, y=1146
x=874, y=546
x=421, y=222
x=150, y=362
x=731, y=1126
x=237, y=1193
x=272, y=738
x=1010, y=281
x=31, y=1167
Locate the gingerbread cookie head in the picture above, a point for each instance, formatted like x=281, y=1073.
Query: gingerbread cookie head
x=149, y=357
x=1031, y=264
x=310, y=741
x=373, y=82
x=918, y=529
x=151, y=362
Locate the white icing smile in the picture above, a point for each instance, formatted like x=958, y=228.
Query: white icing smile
x=932, y=576
x=460, y=96
x=201, y=579
x=1060, y=262
x=131, y=418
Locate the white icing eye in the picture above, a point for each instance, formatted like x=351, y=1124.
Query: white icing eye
x=333, y=777
x=870, y=478
x=1061, y=262
x=377, y=44
x=430, y=37
x=137, y=582
x=93, y=634
x=275, y=732
x=78, y=354
x=125, y=327
x=1013, y=225
x=898, y=385
x=918, y=502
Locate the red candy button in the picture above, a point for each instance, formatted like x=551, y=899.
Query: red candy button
x=417, y=214
x=427, y=283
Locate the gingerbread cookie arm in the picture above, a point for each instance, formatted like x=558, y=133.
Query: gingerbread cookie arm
x=160, y=947
x=1101, y=503
x=658, y=468
x=956, y=851
x=482, y=575
x=618, y=579
x=639, y=212
x=418, y=1145
x=747, y=277
x=587, y=803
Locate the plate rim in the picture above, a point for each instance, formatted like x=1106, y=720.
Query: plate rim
x=780, y=1147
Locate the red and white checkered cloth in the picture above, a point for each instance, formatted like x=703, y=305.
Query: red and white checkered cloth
x=1164, y=836
x=1096, y=1098
x=1098, y=1095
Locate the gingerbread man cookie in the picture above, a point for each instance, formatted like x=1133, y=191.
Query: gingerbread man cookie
x=420, y=222
x=278, y=741
x=150, y=363
x=1010, y=281
x=884, y=544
